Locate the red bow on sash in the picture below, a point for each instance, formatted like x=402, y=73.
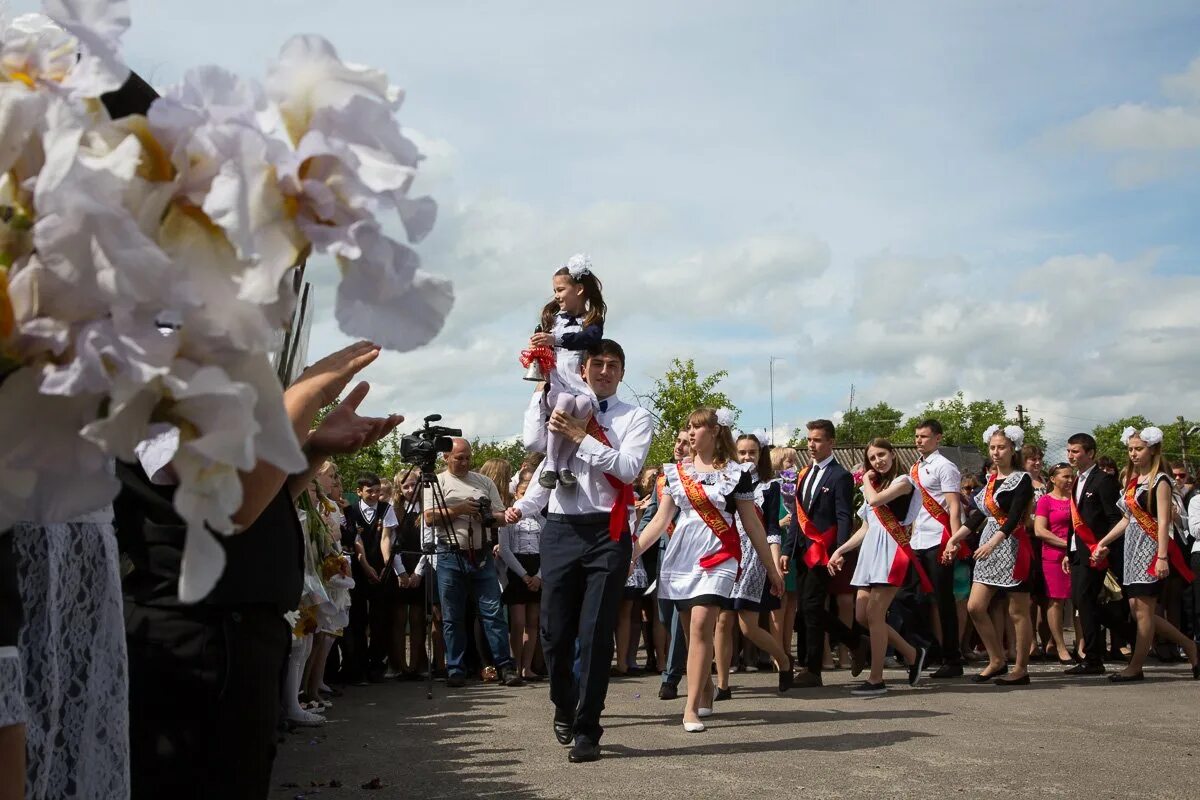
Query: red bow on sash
x=820, y=542
x=1150, y=526
x=618, y=517
x=1024, y=546
x=1083, y=532
x=731, y=541
x=904, y=553
x=937, y=511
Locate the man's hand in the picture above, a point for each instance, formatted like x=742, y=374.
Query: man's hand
x=372, y=575
x=466, y=508
x=403, y=580
x=414, y=581
x=566, y=425
x=344, y=431
x=512, y=516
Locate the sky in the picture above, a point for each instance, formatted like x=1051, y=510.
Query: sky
x=913, y=198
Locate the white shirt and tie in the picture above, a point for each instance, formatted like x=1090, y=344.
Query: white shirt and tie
x=812, y=480
x=629, y=430
x=1083, y=476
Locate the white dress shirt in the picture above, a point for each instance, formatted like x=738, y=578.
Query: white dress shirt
x=1193, y=522
x=940, y=477
x=629, y=429
x=812, y=480
x=1083, y=476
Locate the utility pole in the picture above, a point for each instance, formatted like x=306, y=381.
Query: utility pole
x=773, y=359
x=1021, y=415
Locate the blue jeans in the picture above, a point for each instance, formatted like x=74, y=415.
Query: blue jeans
x=676, y=666
x=455, y=576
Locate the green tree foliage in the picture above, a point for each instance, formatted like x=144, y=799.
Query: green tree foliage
x=964, y=422
x=513, y=452
x=679, y=392
x=1108, y=440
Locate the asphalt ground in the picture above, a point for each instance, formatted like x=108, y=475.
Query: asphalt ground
x=1059, y=737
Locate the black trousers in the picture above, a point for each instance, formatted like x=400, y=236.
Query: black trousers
x=1087, y=585
x=942, y=577
x=370, y=626
x=583, y=574
x=204, y=691
x=813, y=585
x=1195, y=594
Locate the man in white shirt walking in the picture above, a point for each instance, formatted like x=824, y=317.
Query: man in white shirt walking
x=586, y=545
x=936, y=481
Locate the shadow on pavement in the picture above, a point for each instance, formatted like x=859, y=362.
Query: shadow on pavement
x=832, y=743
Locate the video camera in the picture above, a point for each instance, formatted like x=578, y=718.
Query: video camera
x=420, y=448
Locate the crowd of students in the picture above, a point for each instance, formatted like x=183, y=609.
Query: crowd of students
x=936, y=612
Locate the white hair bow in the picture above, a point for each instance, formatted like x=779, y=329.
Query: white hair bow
x=1127, y=434
x=1012, y=432
x=1151, y=436
x=578, y=265
x=725, y=417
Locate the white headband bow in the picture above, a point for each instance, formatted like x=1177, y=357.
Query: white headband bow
x=725, y=417
x=578, y=265
x=1012, y=432
x=1151, y=435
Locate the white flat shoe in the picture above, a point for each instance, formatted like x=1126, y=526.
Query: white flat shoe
x=703, y=712
x=693, y=727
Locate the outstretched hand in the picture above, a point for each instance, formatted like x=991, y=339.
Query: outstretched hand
x=344, y=431
x=325, y=380
x=512, y=516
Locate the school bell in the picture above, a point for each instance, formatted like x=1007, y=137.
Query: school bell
x=534, y=371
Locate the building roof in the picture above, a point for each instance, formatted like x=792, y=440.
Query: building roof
x=968, y=459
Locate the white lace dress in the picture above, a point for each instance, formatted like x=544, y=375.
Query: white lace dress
x=750, y=590
x=72, y=650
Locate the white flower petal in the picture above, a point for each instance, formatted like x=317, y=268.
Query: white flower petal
x=384, y=297
x=98, y=26
x=202, y=564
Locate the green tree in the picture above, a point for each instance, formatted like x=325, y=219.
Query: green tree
x=513, y=452
x=861, y=425
x=679, y=392
x=964, y=422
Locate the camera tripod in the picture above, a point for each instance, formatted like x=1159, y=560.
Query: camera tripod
x=414, y=509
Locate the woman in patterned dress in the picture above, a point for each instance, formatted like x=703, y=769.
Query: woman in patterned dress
x=1003, y=559
x=751, y=592
x=1150, y=552
x=884, y=565
x=700, y=566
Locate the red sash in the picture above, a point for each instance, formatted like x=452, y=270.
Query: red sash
x=821, y=543
x=659, y=487
x=731, y=542
x=1020, y=533
x=937, y=511
x=1150, y=525
x=1083, y=532
x=904, y=552
x=618, y=517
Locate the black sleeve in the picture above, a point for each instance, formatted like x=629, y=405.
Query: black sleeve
x=10, y=595
x=1018, y=501
x=975, y=520
x=771, y=511
x=843, y=498
x=584, y=339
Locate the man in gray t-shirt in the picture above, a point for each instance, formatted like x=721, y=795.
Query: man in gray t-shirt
x=467, y=566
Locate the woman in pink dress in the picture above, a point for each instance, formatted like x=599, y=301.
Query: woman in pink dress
x=1051, y=525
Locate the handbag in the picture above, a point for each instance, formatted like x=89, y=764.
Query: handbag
x=1111, y=593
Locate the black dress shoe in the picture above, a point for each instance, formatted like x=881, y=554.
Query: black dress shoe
x=786, y=679
x=1085, y=669
x=722, y=694
x=583, y=751
x=1021, y=681
x=948, y=671
x=982, y=678
x=860, y=656
x=548, y=479
x=807, y=680
x=668, y=691
x=564, y=732
x=567, y=479
x=1118, y=677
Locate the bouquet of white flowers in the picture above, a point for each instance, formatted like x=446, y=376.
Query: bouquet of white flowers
x=146, y=262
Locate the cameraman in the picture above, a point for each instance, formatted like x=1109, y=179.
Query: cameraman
x=470, y=566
